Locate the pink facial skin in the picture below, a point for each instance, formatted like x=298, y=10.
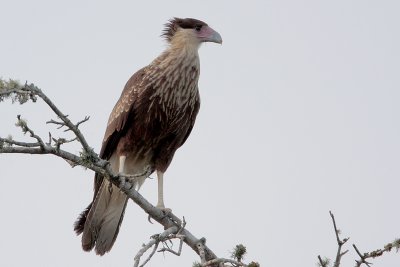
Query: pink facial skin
x=207, y=34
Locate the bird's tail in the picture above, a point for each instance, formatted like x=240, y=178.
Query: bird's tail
x=101, y=220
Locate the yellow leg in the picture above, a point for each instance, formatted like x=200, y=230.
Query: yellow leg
x=160, y=178
x=122, y=163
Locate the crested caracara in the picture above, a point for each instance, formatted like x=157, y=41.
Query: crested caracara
x=151, y=120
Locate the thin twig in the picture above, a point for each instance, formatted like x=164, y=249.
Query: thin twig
x=60, y=123
x=24, y=126
x=222, y=260
x=82, y=121
x=362, y=257
x=17, y=143
x=375, y=253
x=155, y=240
x=13, y=91
x=150, y=255
x=322, y=263
x=339, y=253
x=63, y=117
x=179, y=236
x=167, y=249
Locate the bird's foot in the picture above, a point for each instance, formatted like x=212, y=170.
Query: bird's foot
x=164, y=209
x=166, y=212
x=129, y=177
x=133, y=177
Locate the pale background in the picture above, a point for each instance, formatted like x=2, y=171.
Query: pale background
x=299, y=116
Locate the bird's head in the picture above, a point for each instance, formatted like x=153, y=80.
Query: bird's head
x=191, y=31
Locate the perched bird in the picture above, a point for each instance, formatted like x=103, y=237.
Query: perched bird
x=151, y=120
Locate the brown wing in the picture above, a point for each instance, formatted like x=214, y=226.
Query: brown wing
x=122, y=112
x=193, y=119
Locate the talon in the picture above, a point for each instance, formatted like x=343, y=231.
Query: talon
x=163, y=208
x=166, y=210
x=149, y=219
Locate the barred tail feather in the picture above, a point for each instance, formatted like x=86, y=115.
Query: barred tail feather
x=80, y=222
x=103, y=219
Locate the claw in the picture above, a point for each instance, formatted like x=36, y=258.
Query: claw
x=165, y=211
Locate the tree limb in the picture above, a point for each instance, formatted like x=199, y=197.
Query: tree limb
x=90, y=160
x=363, y=257
x=155, y=240
x=375, y=253
x=222, y=261
x=340, y=242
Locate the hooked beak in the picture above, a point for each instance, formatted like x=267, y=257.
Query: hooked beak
x=210, y=35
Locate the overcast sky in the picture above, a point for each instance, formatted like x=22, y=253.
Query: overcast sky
x=299, y=116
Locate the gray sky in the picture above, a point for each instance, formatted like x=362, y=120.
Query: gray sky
x=299, y=116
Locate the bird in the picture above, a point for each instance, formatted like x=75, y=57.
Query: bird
x=153, y=117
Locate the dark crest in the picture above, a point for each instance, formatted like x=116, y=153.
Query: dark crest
x=174, y=24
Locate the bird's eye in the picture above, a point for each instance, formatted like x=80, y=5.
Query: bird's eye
x=197, y=28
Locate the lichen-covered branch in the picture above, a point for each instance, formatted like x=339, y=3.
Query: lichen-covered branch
x=375, y=253
x=89, y=159
x=363, y=256
x=16, y=91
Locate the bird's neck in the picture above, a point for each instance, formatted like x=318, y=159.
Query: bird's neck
x=185, y=40
x=175, y=75
x=179, y=54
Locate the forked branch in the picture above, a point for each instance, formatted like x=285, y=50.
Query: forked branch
x=363, y=256
x=89, y=159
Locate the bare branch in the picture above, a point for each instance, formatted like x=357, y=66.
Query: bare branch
x=323, y=262
x=151, y=254
x=64, y=118
x=25, y=129
x=82, y=121
x=102, y=166
x=221, y=261
x=175, y=227
x=60, y=123
x=88, y=159
x=201, y=249
x=31, y=91
x=362, y=258
x=63, y=124
x=375, y=253
x=155, y=240
x=11, y=142
x=339, y=253
x=177, y=253
x=173, y=236
x=60, y=141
